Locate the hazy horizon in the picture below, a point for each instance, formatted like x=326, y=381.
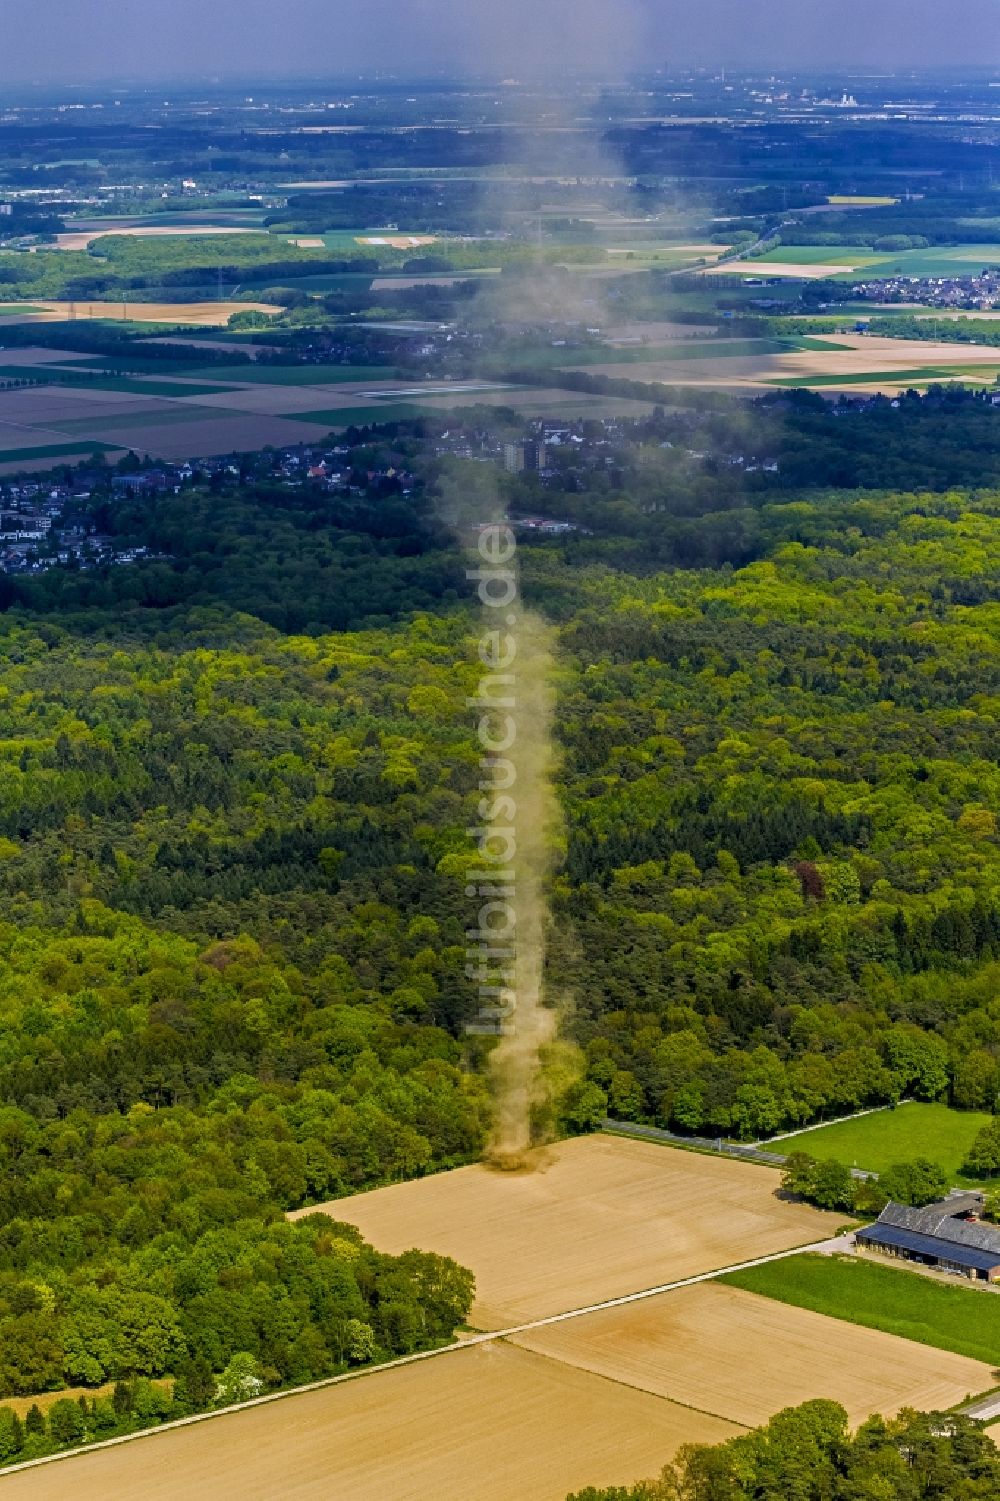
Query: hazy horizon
x=105, y=40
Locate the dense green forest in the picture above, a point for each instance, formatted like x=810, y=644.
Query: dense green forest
x=782, y=887
x=238, y=783
x=231, y=977
x=808, y=1453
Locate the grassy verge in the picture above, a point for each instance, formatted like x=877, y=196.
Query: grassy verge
x=892, y=1299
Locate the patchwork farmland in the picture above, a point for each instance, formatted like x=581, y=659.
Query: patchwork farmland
x=201, y=411
x=603, y=1396
x=207, y=314
x=218, y=410
x=696, y=1346
x=522, y=1425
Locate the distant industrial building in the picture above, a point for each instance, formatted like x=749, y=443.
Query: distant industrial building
x=948, y=1235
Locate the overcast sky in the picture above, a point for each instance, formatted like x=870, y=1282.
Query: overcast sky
x=59, y=40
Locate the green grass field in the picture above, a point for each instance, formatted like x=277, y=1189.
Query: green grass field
x=876, y=1142
x=333, y=239
x=944, y=260
x=923, y=375
x=129, y=384
x=296, y=375
x=821, y=255
x=937, y=260
x=319, y=282
x=27, y=372
x=889, y=1298
x=362, y=416
x=544, y=357
x=56, y=451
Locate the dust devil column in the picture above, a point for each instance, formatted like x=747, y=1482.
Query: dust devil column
x=516, y=837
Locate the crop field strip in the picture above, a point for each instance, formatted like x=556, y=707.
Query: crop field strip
x=170, y=420
x=860, y=263
x=896, y=1300
x=198, y=411
x=520, y=1423
x=208, y=313
x=695, y=1346
x=539, y=1242
x=583, y=1393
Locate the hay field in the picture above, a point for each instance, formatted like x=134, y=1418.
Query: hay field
x=861, y=200
x=396, y=241
x=864, y=362
x=879, y=356
x=79, y=239
x=196, y=314
x=490, y=1423
x=744, y=1357
x=601, y=1216
x=802, y=270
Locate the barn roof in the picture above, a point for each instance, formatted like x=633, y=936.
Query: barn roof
x=930, y=1245
x=941, y=1222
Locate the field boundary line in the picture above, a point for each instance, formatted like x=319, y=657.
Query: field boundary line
x=487, y=1337
x=631, y=1386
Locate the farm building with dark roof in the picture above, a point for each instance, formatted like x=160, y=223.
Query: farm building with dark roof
x=947, y=1235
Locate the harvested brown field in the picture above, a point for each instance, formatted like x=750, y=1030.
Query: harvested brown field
x=37, y=356
x=953, y=314
x=200, y=314
x=35, y=404
x=803, y=270
x=875, y=352
x=490, y=1422
x=744, y=1357
x=602, y=1216
x=79, y=239
x=286, y=400
x=176, y=439
x=396, y=241
x=44, y=1400
x=849, y=355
